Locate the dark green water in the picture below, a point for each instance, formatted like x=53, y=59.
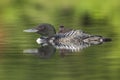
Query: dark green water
x=93, y=63
x=99, y=62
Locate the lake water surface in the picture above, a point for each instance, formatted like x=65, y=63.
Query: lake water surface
x=99, y=62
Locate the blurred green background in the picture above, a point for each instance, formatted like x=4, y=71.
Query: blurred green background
x=93, y=16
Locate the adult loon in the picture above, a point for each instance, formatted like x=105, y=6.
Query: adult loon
x=73, y=40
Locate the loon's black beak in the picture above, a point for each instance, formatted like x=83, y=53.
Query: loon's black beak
x=30, y=30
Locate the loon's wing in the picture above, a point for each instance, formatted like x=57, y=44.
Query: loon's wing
x=72, y=41
x=76, y=33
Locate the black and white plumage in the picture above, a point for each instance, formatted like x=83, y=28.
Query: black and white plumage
x=72, y=40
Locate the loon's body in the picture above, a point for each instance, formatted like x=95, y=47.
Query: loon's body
x=73, y=40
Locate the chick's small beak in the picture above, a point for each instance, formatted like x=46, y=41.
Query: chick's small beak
x=30, y=30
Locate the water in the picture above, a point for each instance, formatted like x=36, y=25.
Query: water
x=99, y=62
x=93, y=63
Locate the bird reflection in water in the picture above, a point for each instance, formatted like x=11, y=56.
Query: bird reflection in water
x=42, y=52
x=66, y=41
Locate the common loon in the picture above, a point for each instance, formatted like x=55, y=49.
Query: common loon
x=73, y=40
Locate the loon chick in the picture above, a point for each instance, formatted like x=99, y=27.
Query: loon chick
x=73, y=40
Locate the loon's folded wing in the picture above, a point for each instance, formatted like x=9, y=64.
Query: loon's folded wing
x=76, y=33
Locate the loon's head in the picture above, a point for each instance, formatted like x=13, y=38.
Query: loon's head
x=43, y=29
